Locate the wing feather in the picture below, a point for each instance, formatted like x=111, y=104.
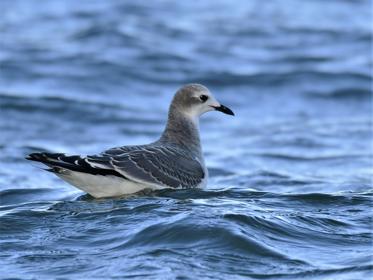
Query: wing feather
x=168, y=166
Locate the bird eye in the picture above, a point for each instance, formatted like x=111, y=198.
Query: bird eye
x=203, y=97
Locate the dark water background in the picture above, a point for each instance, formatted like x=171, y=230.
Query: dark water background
x=290, y=192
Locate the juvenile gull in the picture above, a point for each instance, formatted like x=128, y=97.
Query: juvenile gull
x=173, y=161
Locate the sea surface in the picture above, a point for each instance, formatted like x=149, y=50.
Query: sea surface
x=290, y=190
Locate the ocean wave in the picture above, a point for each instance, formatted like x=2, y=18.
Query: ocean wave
x=277, y=79
x=170, y=223
x=353, y=93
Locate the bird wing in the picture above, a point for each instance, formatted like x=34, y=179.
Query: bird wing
x=158, y=165
x=58, y=161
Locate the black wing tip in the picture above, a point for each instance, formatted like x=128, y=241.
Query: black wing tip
x=43, y=156
x=35, y=156
x=56, y=164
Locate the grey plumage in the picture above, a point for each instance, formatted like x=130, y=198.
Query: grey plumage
x=173, y=161
x=167, y=165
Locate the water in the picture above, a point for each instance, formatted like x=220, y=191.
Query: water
x=290, y=192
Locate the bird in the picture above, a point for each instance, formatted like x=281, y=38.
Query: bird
x=173, y=161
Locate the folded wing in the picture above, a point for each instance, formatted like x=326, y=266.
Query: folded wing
x=167, y=166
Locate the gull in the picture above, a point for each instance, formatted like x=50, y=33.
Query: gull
x=174, y=161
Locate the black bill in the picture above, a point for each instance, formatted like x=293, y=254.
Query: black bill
x=224, y=110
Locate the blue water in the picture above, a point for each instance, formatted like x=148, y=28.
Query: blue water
x=290, y=190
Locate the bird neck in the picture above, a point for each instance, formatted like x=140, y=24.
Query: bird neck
x=183, y=130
